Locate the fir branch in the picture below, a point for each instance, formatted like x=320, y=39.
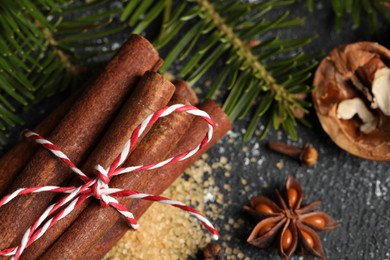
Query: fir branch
x=53, y=44
x=46, y=35
x=249, y=80
x=356, y=8
x=40, y=54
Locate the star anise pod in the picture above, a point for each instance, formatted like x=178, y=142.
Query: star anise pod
x=294, y=226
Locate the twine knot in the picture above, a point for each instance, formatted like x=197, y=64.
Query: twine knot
x=98, y=187
x=100, y=184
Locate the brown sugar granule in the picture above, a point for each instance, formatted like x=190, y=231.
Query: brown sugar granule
x=280, y=165
x=170, y=233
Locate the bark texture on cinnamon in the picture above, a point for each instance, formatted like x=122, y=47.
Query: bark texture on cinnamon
x=76, y=134
x=166, y=175
x=186, y=91
x=95, y=220
x=18, y=156
x=152, y=93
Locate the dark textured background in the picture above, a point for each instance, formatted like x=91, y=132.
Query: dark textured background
x=352, y=190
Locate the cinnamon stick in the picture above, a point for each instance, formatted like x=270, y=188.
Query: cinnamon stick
x=12, y=163
x=186, y=91
x=152, y=93
x=169, y=173
x=18, y=156
x=144, y=94
x=94, y=220
x=75, y=135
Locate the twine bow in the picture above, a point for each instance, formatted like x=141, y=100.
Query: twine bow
x=98, y=187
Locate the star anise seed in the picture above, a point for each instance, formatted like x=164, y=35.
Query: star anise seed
x=294, y=226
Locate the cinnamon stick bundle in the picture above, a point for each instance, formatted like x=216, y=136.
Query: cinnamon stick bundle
x=76, y=135
x=166, y=175
x=89, y=117
x=152, y=93
x=94, y=220
x=11, y=163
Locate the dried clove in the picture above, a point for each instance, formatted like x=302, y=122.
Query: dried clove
x=307, y=155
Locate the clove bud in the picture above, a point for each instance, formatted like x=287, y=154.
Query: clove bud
x=307, y=155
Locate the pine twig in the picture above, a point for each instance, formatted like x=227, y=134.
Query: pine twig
x=247, y=78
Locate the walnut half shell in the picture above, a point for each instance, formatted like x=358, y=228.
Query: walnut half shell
x=352, y=99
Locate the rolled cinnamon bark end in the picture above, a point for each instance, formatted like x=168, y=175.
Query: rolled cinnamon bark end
x=186, y=91
x=76, y=135
x=94, y=220
x=152, y=93
x=160, y=179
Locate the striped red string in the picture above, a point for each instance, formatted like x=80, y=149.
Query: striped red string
x=99, y=187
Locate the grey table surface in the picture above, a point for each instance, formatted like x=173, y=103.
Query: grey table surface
x=354, y=191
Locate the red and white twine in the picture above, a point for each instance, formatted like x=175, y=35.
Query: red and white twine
x=99, y=187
